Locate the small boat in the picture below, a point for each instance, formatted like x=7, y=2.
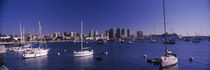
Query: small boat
x=131, y=42
x=104, y=52
x=168, y=59
x=122, y=41
x=152, y=41
x=100, y=41
x=83, y=51
x=186, y=39
x=169, y=42
x=154, y=61
x=191, y=59
x=145, y=56
x=99, y=58
x=196, y=41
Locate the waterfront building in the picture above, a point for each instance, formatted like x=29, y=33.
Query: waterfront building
x=128, y=32
x=118, y=33
x=66, y=34
x=106, y=33
x=91, y=33
x=72, y=34
x=112, y=33
x=101, y=34
x=139, y=34
x=123, y=31
x=95, y=33
x=55, y=35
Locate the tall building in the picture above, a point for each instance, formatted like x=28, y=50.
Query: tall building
x=112, y=33
x=95, y=33
x=91, y=33
x=101, y=34
x=139, y=34
x=118, y=33
x=107, y=33
x=123, y=31
x=72, y=34
x=128, y=32
x=66, y=34
x=56, y=34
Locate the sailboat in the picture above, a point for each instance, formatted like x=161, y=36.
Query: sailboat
x=83, y=51
x=169, y=59
x=37, y=52
x=152, y=40
x=23, y=45
x=171, y=41
x=196, y=40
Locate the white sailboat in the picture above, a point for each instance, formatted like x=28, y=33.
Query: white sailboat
x=23, y=45
x=169, y=58
x=36, y=52
x=83, y=51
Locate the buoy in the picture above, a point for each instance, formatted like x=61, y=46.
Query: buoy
x=65, y=50
x=145, y=55
x=191, y=59
x=58, y=53
x=106, y=53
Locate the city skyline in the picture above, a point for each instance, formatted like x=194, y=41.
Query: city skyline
x=186, y=17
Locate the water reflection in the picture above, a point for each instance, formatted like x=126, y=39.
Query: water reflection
x=174, y=67
x=38, y=61
x=83, y=63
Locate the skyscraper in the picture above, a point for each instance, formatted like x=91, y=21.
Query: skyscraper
x=112, y=33
x=123, y=31
x=107, y=33
x=128, y=32
x=91, y=33
x=139, y=34
x=118, y=33
x=95, y=33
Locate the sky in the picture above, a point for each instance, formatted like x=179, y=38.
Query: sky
x=185, y=17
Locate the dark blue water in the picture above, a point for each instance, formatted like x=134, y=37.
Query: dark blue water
x=122, y=56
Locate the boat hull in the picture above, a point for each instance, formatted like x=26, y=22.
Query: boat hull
x=83, y=53
x=36, y=53
x=168, y=60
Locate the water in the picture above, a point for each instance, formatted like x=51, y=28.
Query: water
x=121, y=56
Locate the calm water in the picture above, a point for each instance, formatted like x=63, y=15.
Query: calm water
x=122, y=56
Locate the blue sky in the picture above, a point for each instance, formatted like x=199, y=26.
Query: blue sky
x=184, y=17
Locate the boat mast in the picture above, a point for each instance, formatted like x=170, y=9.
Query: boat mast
x=81, y=36
x=40, y=33
x=23, y=33
x=21, y=39
x=164, y=20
